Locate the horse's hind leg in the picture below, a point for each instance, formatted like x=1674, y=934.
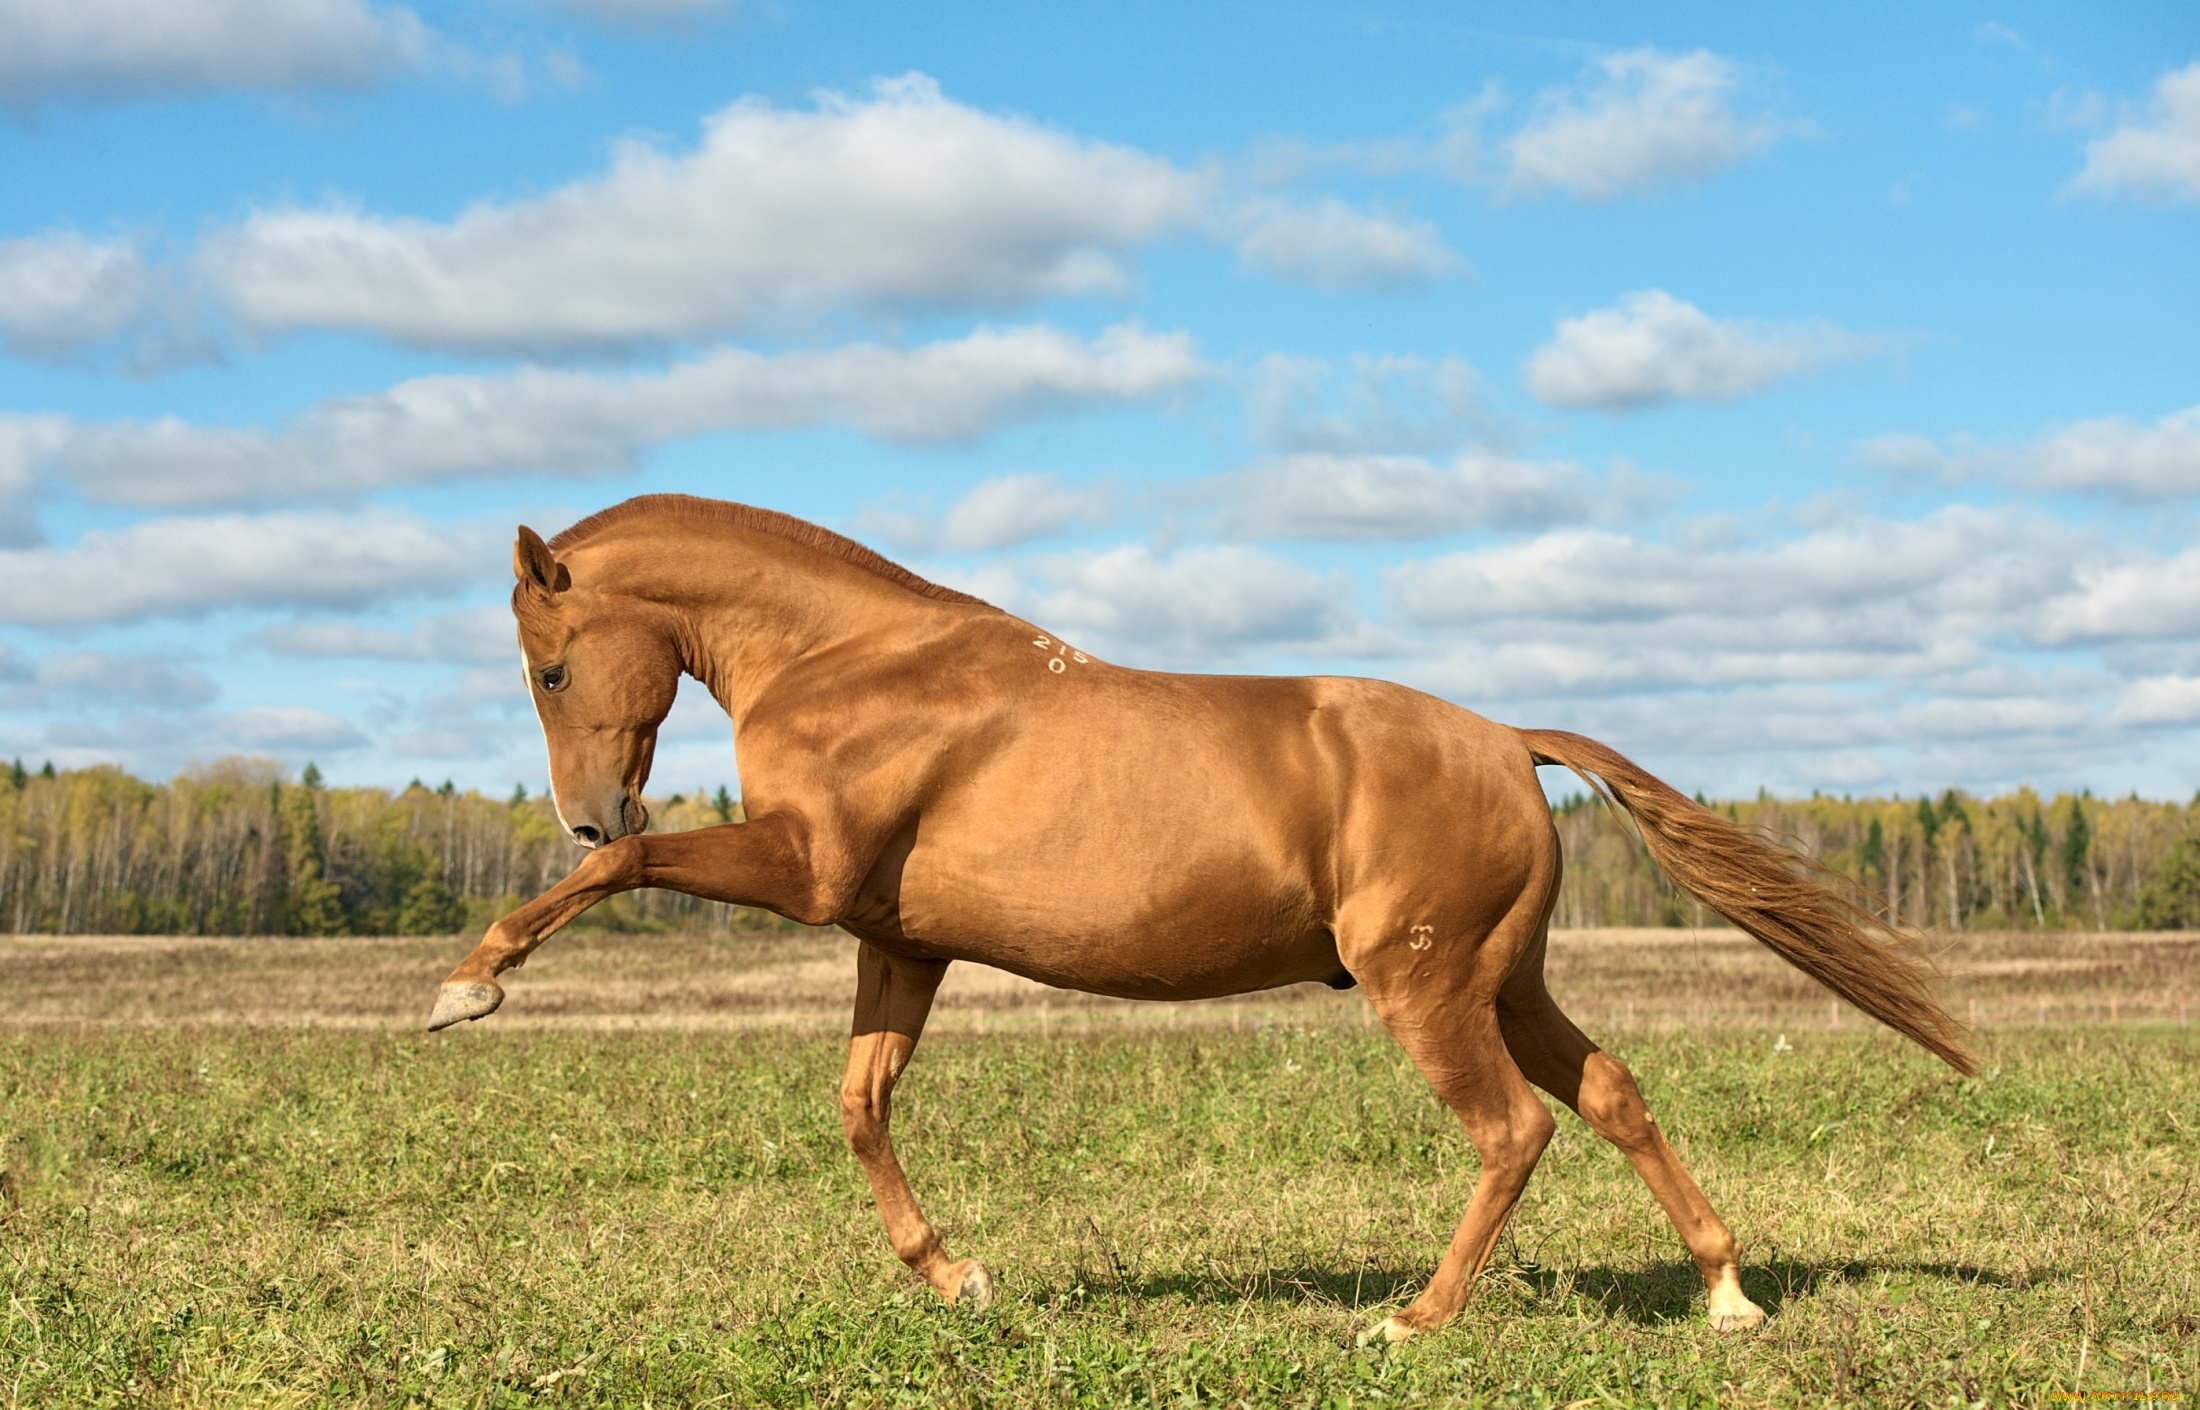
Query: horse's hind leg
x=893, y=998
x=1556, y=1056
x=1446, y=1023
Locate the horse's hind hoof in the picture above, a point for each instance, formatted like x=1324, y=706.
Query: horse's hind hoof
x=456, y=1003
x=1744, y=1318
x=974, y=1288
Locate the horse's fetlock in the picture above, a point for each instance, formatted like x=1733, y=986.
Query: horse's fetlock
x=918, y=1250
x=1716, y=1252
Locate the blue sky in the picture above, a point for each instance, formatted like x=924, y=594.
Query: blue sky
x=1791, y=400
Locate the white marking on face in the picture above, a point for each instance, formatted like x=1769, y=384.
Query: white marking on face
x=1423, y=937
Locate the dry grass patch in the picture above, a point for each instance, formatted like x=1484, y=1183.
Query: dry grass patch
x=1612, y=981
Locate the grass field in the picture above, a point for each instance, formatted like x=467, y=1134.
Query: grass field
x=199, y=1204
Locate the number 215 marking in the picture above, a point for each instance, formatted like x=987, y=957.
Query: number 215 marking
x=1055, y=663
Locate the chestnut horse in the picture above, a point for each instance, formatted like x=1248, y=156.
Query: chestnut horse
x=948, y=782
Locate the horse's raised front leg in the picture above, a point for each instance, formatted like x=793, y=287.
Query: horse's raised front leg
x=763, y=862
x=893, y=998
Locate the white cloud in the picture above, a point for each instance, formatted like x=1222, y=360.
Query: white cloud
x=1643, y=122
x=434, y=429
x=1331, y=245
x=1579, y=610
x=2112, y=455
x=2137, y=596
x=2108, y=455
x=1907, y=453
x=2153, y=154
x=645, y=14
x=184, y=567
x=1387, y=403
x=26, y=443
x=1379, y=498
x=2159, y=700
x=1655, y=348
x=1196, y=606
x=1015, y=509
x=1455, y=153
x=1517, y=670
x=999, y=513
x=476, y=636
x=902, y=201
x=1865, y=650
x=1967, y=562
x=61, y=293
x=124, y=49
x=290, y=727
x=97, y=679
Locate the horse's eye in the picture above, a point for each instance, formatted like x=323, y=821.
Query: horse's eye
x=553, y=678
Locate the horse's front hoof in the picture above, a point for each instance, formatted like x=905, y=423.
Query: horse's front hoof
x=972, y=1285
x=1388, y=1332
x=456, y=1003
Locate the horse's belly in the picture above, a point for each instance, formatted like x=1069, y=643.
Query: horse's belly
x=1151, y=932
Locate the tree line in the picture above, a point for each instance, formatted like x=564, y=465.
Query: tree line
x=2018, y=861
x=242, y=848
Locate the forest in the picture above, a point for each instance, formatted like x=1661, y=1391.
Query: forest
x=241, y=847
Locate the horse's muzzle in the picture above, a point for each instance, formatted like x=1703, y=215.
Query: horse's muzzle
x=631, y=816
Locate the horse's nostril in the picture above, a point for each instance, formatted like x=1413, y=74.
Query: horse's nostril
x=586, y=835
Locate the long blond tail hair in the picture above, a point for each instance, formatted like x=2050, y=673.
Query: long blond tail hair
x=1804, y=912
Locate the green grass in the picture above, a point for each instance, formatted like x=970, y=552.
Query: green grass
x=299, y=1216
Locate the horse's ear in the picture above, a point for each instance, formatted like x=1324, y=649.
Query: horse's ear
x=536, y=566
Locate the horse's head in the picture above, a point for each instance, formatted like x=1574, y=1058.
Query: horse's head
x=603, y=669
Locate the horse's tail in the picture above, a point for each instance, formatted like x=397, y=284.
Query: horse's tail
x=1807, y=914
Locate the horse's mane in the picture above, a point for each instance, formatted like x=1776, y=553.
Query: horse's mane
x=693, y=509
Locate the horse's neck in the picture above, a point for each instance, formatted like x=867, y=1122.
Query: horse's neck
x=747, y=606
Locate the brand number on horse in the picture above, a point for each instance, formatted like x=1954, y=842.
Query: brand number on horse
x=1423, y=937
x=1059, y=661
